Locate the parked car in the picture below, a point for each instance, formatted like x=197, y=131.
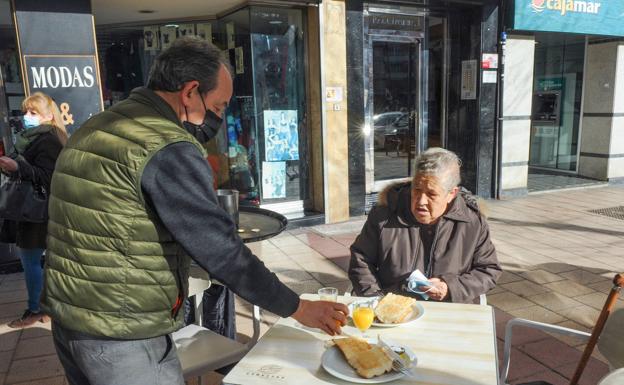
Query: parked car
x=383, y=125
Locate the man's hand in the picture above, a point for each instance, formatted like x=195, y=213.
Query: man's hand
x=325, y=315
x=437, y=291
x=8, y=164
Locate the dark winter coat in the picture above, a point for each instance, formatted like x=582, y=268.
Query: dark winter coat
x=35, y=164
x=389, y=248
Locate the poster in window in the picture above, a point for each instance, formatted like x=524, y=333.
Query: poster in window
x=240, y=64
x=204, y=31
x=167, y=36
x=150, y=38
x=186, y=30
x=273, y=180
x=229, y=31
x=281, y=136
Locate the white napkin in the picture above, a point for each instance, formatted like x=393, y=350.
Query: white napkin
x=417, y=278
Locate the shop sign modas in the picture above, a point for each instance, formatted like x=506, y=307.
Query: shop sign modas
x=598, y=17
x=70, y=80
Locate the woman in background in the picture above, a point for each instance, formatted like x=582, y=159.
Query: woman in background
x=37, y=147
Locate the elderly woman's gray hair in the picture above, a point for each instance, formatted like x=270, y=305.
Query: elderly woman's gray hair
x=440, y=163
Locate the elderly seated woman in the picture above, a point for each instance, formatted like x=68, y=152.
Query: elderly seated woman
x=431, y=226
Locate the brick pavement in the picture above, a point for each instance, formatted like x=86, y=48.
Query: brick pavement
x=558, y=260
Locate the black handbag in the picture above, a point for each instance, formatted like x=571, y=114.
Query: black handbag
x=23, y=201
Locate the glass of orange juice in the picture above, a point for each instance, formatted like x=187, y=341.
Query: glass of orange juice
x=363, y=316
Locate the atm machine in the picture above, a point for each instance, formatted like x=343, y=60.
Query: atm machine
x=545, y=125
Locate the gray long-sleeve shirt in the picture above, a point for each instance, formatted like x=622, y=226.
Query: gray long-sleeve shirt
x=177, y=183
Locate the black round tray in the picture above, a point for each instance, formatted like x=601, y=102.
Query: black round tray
x=265, y=223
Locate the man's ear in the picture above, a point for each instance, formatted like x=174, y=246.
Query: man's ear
x=453, y=194
x=186, y=94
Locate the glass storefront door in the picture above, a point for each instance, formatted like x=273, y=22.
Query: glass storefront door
x=394, y=90
x=557, y=92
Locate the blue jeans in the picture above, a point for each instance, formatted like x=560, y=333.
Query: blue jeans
x=33, y=273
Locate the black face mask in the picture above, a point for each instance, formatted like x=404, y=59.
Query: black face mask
x=208, y=129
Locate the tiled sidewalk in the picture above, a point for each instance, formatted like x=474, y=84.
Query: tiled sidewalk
x=558, y=258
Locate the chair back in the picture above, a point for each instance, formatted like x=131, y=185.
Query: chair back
x=611, y=342
x=198, y=285
x=618, y=283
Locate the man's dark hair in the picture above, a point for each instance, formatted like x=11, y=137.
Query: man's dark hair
x=188, y=58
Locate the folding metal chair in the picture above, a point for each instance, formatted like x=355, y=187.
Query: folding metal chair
x=612, y=346
x=201, y=350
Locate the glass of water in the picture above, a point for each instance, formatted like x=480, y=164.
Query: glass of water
x=328, y=294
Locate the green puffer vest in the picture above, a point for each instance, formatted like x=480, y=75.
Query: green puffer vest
x=112, y=269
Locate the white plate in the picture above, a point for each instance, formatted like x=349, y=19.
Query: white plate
x=334, y=363
x=417, y=311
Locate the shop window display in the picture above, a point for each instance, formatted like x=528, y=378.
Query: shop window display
x=279, y=82
x=258, y=150
x=266, y=142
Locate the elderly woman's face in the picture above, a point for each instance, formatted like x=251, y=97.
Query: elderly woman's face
x=429, y=199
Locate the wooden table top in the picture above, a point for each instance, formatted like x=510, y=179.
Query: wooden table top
x=455, y=345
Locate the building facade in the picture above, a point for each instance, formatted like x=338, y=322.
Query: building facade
x=420, y=75
x=334, y=99
x=562, y=105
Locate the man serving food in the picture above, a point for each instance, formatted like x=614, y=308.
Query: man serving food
x=131, y=204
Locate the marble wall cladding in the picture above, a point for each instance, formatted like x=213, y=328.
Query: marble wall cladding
x=515, y=177
x=487, y=106
x=315, y=116
x=463, y=115
x=600, y=77
x=604, y=91
x=618, y=97
x=518, y=89
x=355, y=81
x=617, y=135
x=593, y=167
x=336, y=146
x=616, y=168
x=516, y=140
x=596, y=134
x=517, y=99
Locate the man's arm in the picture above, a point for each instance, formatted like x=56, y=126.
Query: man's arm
x=363, y=264
x=177, y=183
x=483, y=274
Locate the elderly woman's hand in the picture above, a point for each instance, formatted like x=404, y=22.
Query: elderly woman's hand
x=437, y=291
x=8, y=164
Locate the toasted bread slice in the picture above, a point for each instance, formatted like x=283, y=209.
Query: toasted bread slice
x=367, y=360
x=394, y=308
